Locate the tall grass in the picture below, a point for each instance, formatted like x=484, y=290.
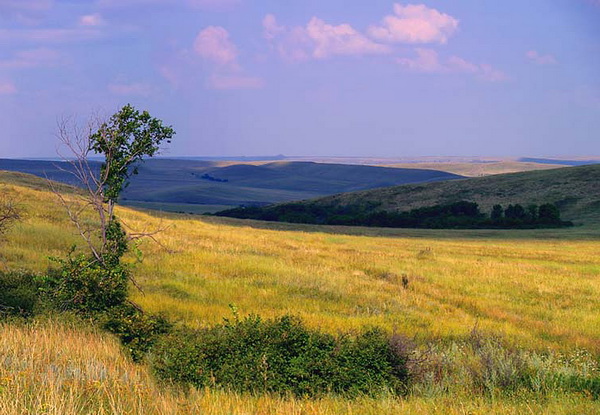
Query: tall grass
x=58, y=368
x=539, y=295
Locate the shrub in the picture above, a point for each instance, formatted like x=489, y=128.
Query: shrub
x=138, y=331
x=282, y=356
x=18, y=293
x=82, y=284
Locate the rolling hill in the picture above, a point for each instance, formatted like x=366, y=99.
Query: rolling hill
x=575, y=190
x=527, y=292
x=182, y=185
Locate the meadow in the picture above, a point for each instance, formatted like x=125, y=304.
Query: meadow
x=536, y=290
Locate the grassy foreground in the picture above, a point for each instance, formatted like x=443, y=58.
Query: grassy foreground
x=71, y=370
x=539, y=294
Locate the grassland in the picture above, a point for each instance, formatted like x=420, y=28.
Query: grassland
x=540, y=294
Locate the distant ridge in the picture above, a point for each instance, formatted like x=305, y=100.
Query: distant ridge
x=182, y=184
x=559, y=161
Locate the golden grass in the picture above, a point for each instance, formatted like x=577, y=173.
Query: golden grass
x=539, y=294
x=64, y=369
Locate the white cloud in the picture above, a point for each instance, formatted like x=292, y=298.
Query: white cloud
x=319, y=40
x=91, y=20
x=213, y=44
x=428, y=61
x=131, y=89
x=414, y=23
x=7, y=88
x=536, y=57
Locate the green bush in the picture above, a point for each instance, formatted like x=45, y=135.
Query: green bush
x=82, y=284
x=18, y=293
x=138, y=331
x=282, y=356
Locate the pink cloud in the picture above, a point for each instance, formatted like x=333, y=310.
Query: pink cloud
x=91, y=20
x=340, y=40
x=428, y=61
x=319, y=40
x=213, y=44
x=215, y=47
x=7, y=88
x=536, y=57
x=414, y=24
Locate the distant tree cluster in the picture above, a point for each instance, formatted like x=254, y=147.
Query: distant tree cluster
x=457, y=215
x=533, y=215
x=208, y=177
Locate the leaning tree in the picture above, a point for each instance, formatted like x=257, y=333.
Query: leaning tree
x=98, y=280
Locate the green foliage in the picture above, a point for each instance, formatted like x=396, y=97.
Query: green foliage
x=124, y=141
x=116, y=242
x=457, y=215
x=138, y=331
x=282, y=356
x=85, y=285
x=18, y=293
x=497, y=213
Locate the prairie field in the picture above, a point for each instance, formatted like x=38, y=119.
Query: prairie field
x=537, y=290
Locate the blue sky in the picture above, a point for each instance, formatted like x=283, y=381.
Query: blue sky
x=310, y=77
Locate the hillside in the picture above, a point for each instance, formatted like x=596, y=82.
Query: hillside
x=575, y=190
x=181, y=185
x=540, y=295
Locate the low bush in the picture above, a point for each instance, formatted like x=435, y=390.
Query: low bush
x=18, y=293
x=281, y=356
x=84, y=285
x=138, y=331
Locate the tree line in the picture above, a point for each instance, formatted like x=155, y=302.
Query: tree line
x=457, y=215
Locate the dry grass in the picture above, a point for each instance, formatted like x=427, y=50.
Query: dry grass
x=65, y=369
x=539, y=294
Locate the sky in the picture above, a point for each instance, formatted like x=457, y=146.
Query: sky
x=366, y=78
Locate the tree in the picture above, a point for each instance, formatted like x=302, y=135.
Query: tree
x=549, y=214
x=497, y=213
x=99, y=281
x=123, y=141
x=532, y=213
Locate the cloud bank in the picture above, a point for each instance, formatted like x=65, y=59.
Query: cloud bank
x=414, y=23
